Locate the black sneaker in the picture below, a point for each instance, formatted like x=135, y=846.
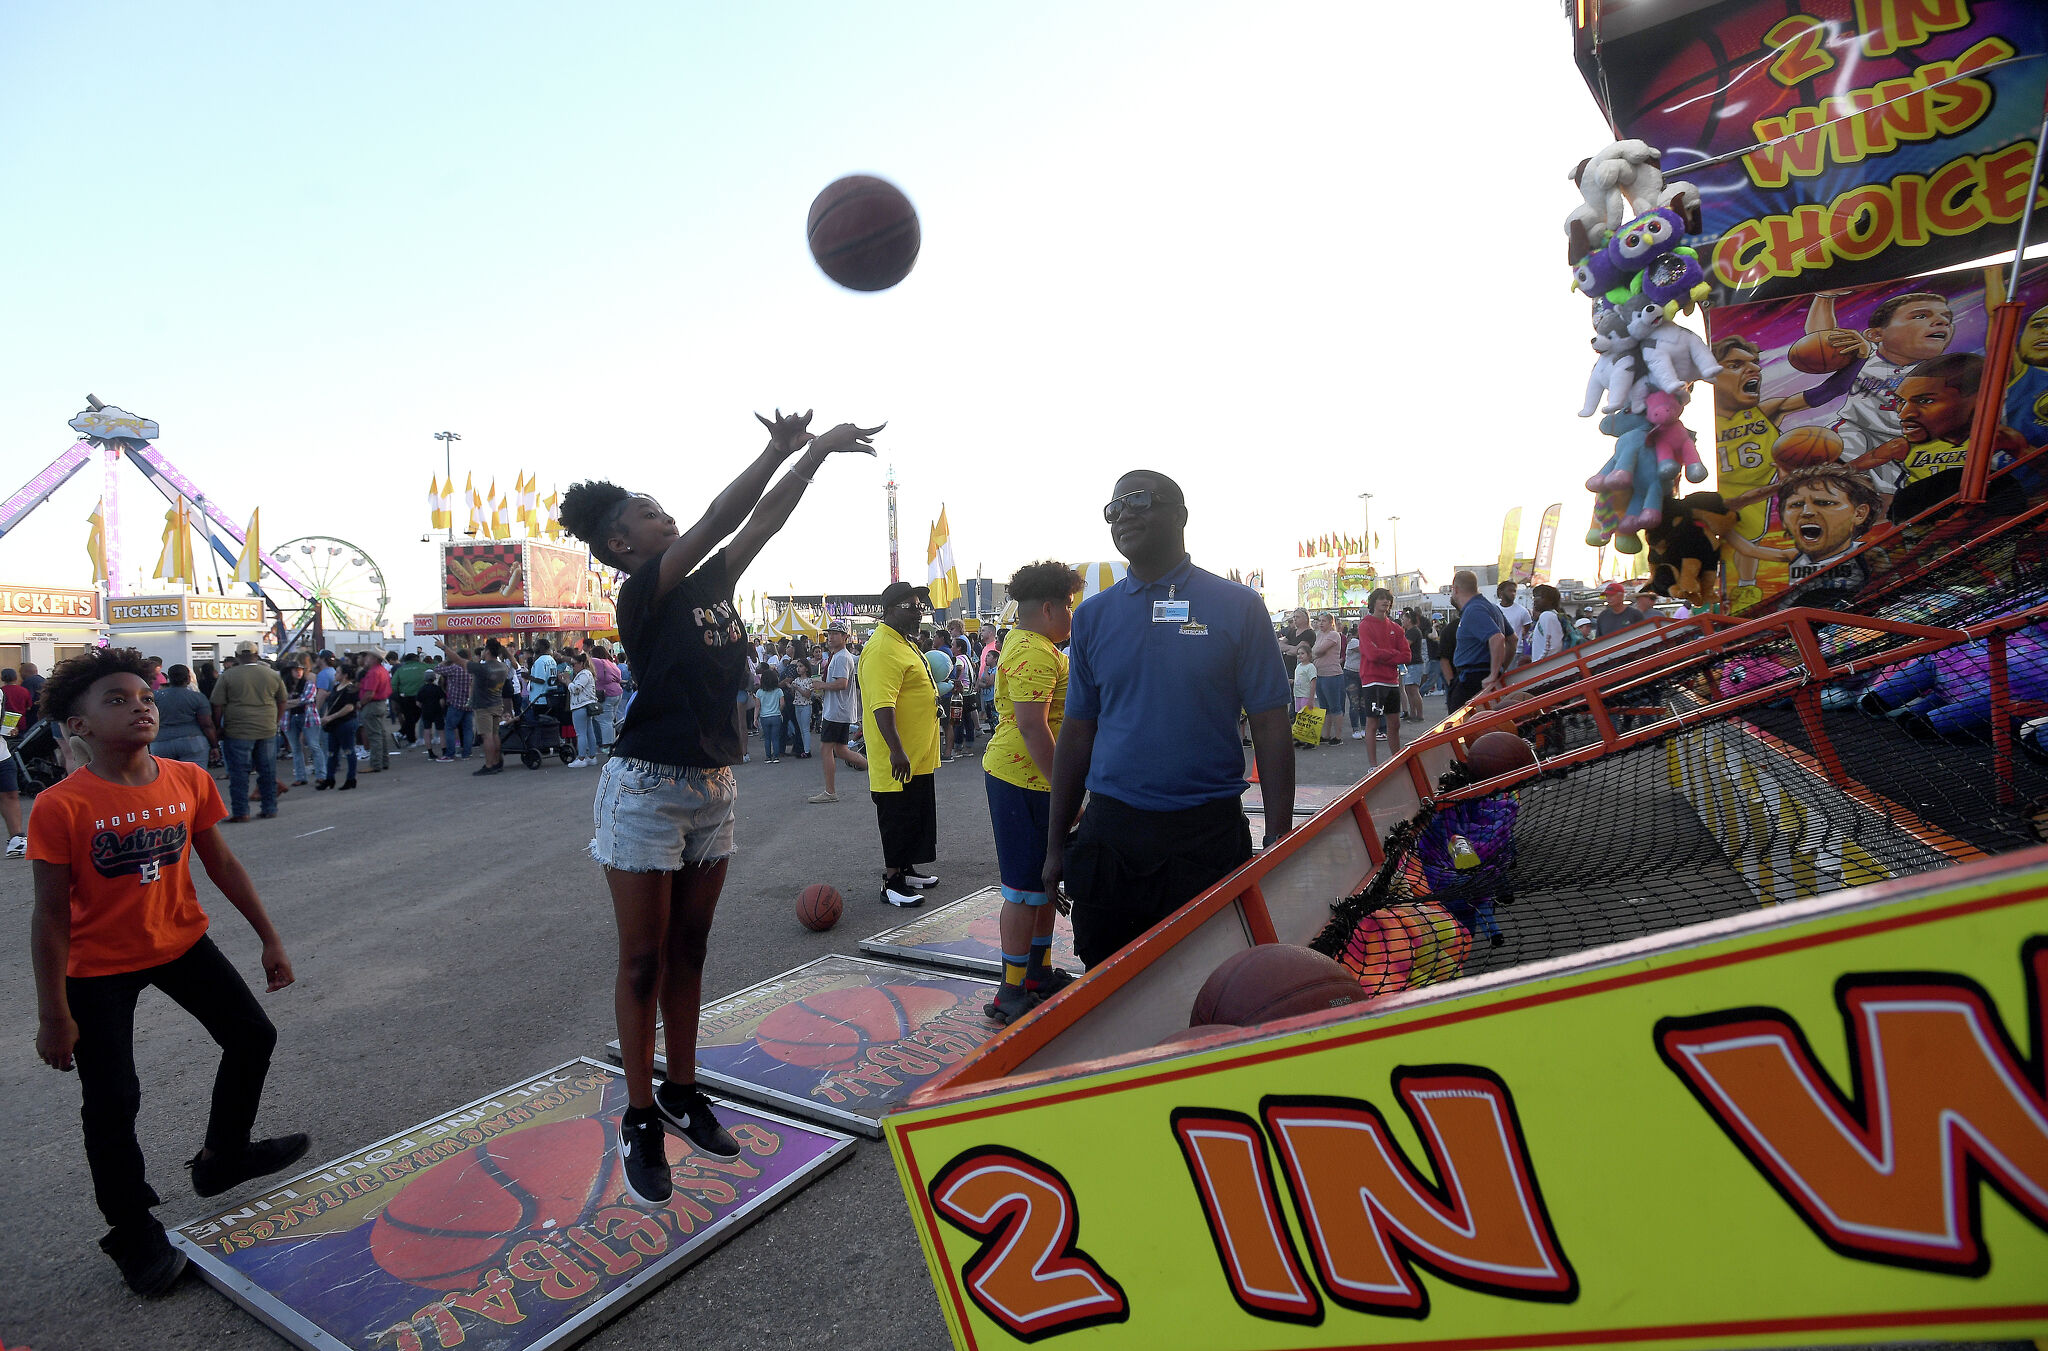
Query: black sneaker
x=644, y=1160
x=901, y=896
x=1011, y=1003
x=488, y=769
x=1051, y=983
x=148, y=1262
x=211, y=1177
x=685, y=1107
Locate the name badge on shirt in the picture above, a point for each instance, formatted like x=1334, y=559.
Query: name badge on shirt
x=1169, y=612
x=1195, y=628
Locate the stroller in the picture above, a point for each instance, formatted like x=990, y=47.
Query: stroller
x=41, y=762
x=541, y=729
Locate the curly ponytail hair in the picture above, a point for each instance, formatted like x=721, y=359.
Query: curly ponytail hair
x=590, y=511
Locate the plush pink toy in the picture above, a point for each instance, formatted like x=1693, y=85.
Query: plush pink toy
x=1673, y=441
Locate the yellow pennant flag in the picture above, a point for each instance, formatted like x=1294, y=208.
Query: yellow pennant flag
x=941, y=576
x=438, y=515
x=249, y=564
x=501, y=518
x=475, y=505
x=96, y=541
x=552, y=507
x=175, y=562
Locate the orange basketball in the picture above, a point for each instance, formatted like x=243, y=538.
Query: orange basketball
x=1815, y=355
x=1498, y=753
x=864, y=233
x=1272, y=980
x=1806, y=448
x=819, y=906
x=834, y=1027
x=457, y=1218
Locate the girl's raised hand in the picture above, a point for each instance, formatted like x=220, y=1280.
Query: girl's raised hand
x=846, y=436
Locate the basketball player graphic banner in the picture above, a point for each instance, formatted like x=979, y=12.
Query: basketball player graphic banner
x=1873, y=384
x=1867, y=139
x=965, y=936
x=503, y=1224
x=842, y=1040
x=1824, y=1122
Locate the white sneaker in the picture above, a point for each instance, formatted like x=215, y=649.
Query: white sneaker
x=920, y=880
x=577, y=764
x=817, y=798
x=1358, y=736
x=901, y=899
x=17, y=846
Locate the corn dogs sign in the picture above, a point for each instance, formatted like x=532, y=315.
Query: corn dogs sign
x=1832, y=1128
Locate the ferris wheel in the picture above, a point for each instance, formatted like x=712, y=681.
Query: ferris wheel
x=346, y=583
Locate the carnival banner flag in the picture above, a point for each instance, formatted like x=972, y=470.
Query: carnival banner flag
x=501, y=515
x=1835, y=143
x=1546, y=540
x=552, y=505
x=439, y=514
x=529, y=504
x=1510, y=535
x=477, y=525
x=249, y=565
x=175, y=562
x=941, y=575
x=96, y=541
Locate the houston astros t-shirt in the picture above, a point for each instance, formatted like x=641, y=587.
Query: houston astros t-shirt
x=129, y=850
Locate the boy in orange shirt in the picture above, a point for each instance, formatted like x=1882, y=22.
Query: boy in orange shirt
x=115, y=913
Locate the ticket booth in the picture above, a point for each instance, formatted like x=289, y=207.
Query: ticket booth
x=187, y=629
x=45, y=624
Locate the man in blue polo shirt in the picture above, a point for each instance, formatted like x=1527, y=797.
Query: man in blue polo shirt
x=1482, y=651
x=1158, y=667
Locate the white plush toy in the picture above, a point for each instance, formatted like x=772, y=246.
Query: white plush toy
x=1620, y=183
x=1675, y=355
x=1616, y=372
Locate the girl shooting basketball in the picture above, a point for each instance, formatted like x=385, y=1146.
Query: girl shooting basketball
x=664, y=809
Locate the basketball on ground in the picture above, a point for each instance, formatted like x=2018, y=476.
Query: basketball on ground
x=819, y=906
x=864, y=233
x=456, y=1218
x=1272, y=980
x=1498, y=753
x=1816, y=355
x=1806, y=448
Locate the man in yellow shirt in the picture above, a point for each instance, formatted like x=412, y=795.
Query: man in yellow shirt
x=1031, y=700
x=901, y=704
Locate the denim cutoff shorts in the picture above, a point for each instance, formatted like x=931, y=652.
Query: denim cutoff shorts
x=655, y=818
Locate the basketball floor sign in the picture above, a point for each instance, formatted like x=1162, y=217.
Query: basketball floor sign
x=500, y=1226
x=842, y=1040
x=964, y=936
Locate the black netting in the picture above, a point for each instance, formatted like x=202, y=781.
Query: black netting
x=1719, y=815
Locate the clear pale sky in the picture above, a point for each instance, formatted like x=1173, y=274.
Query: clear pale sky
x=1285, y=254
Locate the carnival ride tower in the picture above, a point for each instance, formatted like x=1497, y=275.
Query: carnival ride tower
x=114, y=434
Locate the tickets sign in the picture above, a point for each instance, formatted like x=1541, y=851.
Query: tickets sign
x=1827, y=1121
x=49, y=605
x=143, y=612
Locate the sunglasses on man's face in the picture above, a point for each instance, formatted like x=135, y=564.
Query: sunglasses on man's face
x=1144, y=499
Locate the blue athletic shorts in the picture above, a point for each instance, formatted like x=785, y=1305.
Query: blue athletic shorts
x=1021, y=818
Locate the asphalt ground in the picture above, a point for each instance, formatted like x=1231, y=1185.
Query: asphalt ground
x=450, y=935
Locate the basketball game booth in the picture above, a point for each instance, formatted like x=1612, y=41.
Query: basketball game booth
x=1711, y=1015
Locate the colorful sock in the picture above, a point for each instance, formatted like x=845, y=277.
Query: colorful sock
x=1041, y=960
x=1014, y=967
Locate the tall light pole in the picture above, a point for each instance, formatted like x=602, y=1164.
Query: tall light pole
x=448, y=440
x=1367, y=499
x=1395, y=522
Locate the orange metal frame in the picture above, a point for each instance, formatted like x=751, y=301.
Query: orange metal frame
x=1017, y=1043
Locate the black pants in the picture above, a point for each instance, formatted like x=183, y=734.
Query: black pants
x=1464, y=684
x=1127, y=869
x=408, y=716
x=910, y=824
x=206, y=985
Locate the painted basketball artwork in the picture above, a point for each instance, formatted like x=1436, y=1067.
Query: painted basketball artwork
x=501, y=1224
x=842, y=1039
x=965, y=936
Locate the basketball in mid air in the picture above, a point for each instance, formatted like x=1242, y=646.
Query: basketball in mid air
x=864, y=233
x=1806, y=448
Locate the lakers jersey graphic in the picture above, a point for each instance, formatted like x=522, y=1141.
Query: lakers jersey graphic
x=1744, y=441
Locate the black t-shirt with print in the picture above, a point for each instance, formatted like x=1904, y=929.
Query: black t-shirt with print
x=689, y=656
